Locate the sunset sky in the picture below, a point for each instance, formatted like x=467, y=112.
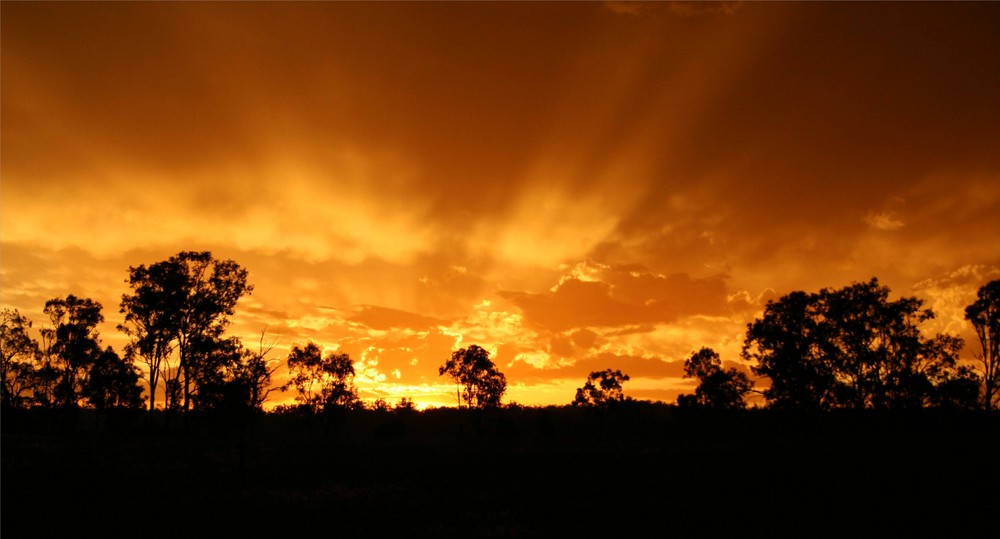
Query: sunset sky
x=571, y=185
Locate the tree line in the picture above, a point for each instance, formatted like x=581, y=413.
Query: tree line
x=854, y=348
x=851, y=347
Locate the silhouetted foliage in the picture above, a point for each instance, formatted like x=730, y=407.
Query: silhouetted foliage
x=254, y=373
x=74, y=370
x=405, y=404
x=482, y=384
x=212, y=373
x=323, y=383
x=379, y=405
x=984, y=314
x=18, y=358
x=183, y=303
x=717, y=388
x=74, y=345
x=602, y=389
x=229, y=376
x=151, y=316
x=113, y=382
x=853, y=348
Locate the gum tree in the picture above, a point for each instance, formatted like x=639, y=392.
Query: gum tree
x=602, y=389
x=984, y=314
x=74, y=345
x=718, y=388
x=480, y=383
x=323, y=383
x=18, y=355
x=854, y=348
x=181, y=305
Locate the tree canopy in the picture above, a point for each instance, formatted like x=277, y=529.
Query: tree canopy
x=113, y=382
x=854, y=348
x=18, y=357
x=182, y=303
x=72, y=345
x=483, y=385
x=602, y=389
x=323, y=383
x=718, y=388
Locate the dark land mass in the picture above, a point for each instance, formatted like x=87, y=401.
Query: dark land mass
x=643, y=470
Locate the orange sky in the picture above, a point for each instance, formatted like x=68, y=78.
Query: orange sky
x=571, y=185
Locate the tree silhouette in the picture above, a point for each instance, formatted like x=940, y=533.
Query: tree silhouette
x=151, y=313
x=717, y=388
x=783, y=345
x=406, y=405
x=229, y=376
x=254, y=373
x=18, y=357
x=853, y=348
x=183, y=303
x=76, y=369
x=482, y=385
x=212, y=374
x=112, y=382
x=603, y=389
x=323, y=383
x=74, y=344
x=984, y=314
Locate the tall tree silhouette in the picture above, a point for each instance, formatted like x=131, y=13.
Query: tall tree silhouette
x=718, y=388
x=482, y=385
x=151, y=316
x=602, y=389
x=18, y=357
x=854, y=348
x=181, y=303
x=984, y=314
x=74, y=344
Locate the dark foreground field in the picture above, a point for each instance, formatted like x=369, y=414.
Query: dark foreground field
x=533, y=472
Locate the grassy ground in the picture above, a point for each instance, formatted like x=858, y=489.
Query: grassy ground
x=533, y=472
